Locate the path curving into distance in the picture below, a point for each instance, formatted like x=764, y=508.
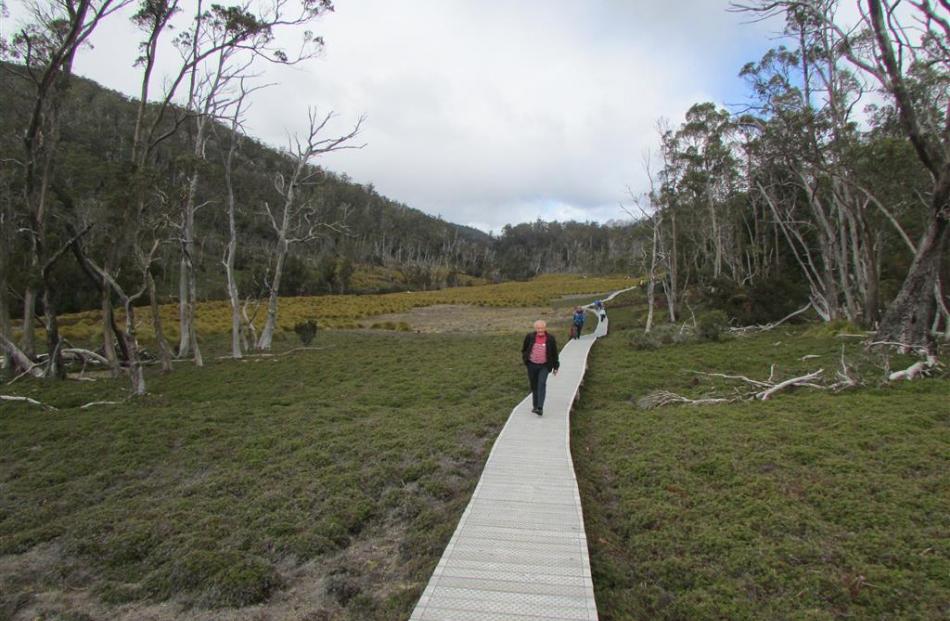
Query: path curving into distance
x=519, y=552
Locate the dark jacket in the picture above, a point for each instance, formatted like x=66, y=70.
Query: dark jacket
x=553, y=363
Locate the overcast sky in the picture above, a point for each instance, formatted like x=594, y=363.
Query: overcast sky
x=493, y=113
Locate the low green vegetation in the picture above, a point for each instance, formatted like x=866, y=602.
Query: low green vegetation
x=322, y=483
x=345, y=466
x=812, y=505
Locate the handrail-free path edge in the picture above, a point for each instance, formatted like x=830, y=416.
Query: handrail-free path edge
x=519, y=552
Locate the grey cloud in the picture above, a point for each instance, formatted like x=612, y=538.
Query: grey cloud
x=494, y=114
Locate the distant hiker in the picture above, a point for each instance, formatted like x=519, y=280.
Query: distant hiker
x=599, y=307
x=578, y=322
x=539, y=352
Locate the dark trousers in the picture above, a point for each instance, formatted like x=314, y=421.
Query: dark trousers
x=538, y=378
x=577, y=329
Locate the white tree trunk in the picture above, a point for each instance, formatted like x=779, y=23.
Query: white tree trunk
x=651, y=287
x=270, y=323
x=184, y=318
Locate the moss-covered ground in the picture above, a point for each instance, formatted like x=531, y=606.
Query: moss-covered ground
x=347, y=466
x=323, y=484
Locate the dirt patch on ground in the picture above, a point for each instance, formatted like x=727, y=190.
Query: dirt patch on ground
x=463, y=318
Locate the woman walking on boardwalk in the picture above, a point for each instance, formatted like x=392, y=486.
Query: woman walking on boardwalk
x=539, y=352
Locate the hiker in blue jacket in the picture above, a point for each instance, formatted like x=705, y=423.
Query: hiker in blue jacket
x=578, y=320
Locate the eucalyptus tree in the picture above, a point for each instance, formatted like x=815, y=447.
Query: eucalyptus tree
x=905, y=49
x=702, y=152
x=806, y=168
x=903, y=65
x=297, y=219
x=46, y=48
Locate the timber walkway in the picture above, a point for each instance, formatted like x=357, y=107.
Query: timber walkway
x=519, y=552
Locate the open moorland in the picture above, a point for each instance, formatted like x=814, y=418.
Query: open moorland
x=323, y=482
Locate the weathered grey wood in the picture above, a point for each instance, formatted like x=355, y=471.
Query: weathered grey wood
x=520, y=551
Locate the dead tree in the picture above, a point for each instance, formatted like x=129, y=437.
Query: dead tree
x=47, y=48
x=297, y=220
x=130, y=332
x=217, y=50
x=232, y=112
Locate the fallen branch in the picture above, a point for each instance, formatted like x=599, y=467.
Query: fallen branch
x=770, y=326
x=20, y=359
x=846, y=379
x=920, y=368
x=761, y=390
x=26, y=400
x=85, y=354
x=662, y=397
x=281, y=354
x=93, y=403
x=738, y=377
x=795, y=381
x=29, y=371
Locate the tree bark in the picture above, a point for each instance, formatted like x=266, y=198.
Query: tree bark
x=270, y=323
x=164, y=351
x=28, y=336
x=6, y=329
x=108, y=320
x=908, y=318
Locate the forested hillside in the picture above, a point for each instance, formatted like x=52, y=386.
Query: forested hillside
x=371, y=230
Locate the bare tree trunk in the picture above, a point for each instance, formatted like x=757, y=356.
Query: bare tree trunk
x=6, y=329
x=672, y=290
x=136, y=371
x=184, y=317
x=128, y=336
x=908, y=318
x=651, y=286
x=270, y=323
x=21, y=362
x=28, y=337
x=231, y=252
x=57, y=368
x=164, y=351
x=298, y=220
x=188, y=287
x=108, y=335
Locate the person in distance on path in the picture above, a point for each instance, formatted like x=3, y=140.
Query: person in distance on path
x=539, y=352
x=578, y=320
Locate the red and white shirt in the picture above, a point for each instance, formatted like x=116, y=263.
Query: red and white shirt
x=539, y=351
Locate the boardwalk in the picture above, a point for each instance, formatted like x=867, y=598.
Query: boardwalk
x=519, y=552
